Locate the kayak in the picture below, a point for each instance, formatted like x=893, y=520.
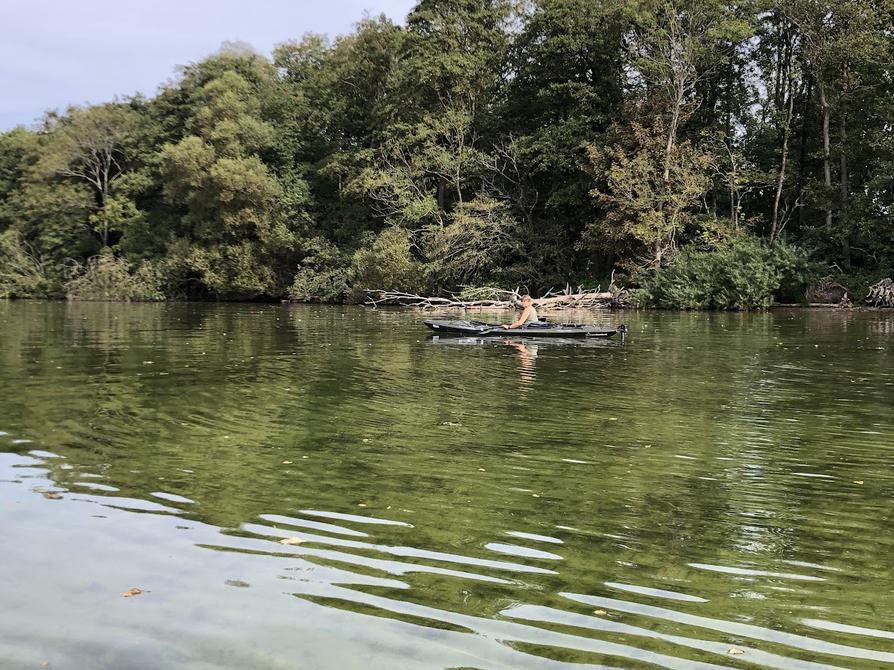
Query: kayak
x=453, y=339
x=541, y=329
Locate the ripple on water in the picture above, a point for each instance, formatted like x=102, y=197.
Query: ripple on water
x=734, y=628
x=719, y=481
x=850, y=630
x=522, y=552
x=534, y=536
x=750, y=572
x=340, y=516
x=657, y=593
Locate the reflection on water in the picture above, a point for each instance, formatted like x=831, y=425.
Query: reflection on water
x=324, y=488
x=527, y=356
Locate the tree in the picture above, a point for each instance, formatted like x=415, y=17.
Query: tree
x=565, y=90
x=844, y=41
x=649, y=196
x=231, y=200
x=535, y=142
x=90, y=145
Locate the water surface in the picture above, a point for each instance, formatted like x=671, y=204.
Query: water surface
x=324, y=487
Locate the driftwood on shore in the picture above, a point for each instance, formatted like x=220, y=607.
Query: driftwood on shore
x=827, y=291
x=881, y=294
x=579, y=298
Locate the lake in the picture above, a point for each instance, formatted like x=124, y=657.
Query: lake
x=330, y=487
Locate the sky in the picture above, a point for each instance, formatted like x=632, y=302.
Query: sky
x=54, y=53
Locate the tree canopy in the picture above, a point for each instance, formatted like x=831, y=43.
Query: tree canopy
x=482, y=142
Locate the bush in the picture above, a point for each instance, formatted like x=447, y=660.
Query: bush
x=322, y=275
x=105, y=277
x=239, y=271
x=481, y=236
x=742, y=273
x=22, y=274
x=386, y=262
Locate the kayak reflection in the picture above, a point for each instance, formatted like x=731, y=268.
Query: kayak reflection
x=580, y=343
x=529, y=348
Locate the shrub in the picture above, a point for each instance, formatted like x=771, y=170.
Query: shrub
x=106, y=277
x=22, y=274
x=240, y=271
x=482, y=235
x=322, y=275
x=386, y=262
x=742, y=273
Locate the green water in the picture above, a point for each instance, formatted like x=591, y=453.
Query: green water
x=688, y=499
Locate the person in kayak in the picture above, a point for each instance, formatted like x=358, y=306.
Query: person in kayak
x=528, y=315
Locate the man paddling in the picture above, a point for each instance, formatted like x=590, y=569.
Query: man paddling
x=528, y=315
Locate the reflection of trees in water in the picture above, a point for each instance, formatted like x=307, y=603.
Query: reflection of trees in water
x=882, y=324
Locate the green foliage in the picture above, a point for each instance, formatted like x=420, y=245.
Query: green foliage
x=91, y=146
x=323, y=274
x=387, y=260
x=232, y=207
x=481, y=236
x=484, y=141
x=741, y=273
x=16, y=146
x=236, y=271
x=107, y=278
x=22, y=273
x=650, y=196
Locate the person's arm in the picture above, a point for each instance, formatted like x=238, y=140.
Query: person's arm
x=521, y=320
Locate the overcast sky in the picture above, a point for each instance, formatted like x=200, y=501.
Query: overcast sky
x=59, y=52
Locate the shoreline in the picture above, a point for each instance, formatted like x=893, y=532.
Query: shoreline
x=482, y=309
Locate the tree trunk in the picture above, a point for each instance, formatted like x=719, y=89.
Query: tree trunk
x=827, y=166
x=802, y=153
x=104, y=227
x=844, y=187
x=672, y=136
x=775, y=227
x=728, y=121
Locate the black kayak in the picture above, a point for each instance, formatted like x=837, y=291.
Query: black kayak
x=542, y=329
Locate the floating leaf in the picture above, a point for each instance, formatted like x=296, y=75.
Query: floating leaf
x=291, y=540
x=734, y=651
x=130, y=593
x=599, y=612
x=858, y=481
x=287, y=462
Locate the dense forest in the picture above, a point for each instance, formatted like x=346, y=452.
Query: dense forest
x=712, y=153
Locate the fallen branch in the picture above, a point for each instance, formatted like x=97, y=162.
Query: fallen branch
x=827, y=291
x=578, y=299
x=378, y=298
x=881, y=294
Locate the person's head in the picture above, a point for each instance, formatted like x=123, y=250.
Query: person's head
x=526, y=301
